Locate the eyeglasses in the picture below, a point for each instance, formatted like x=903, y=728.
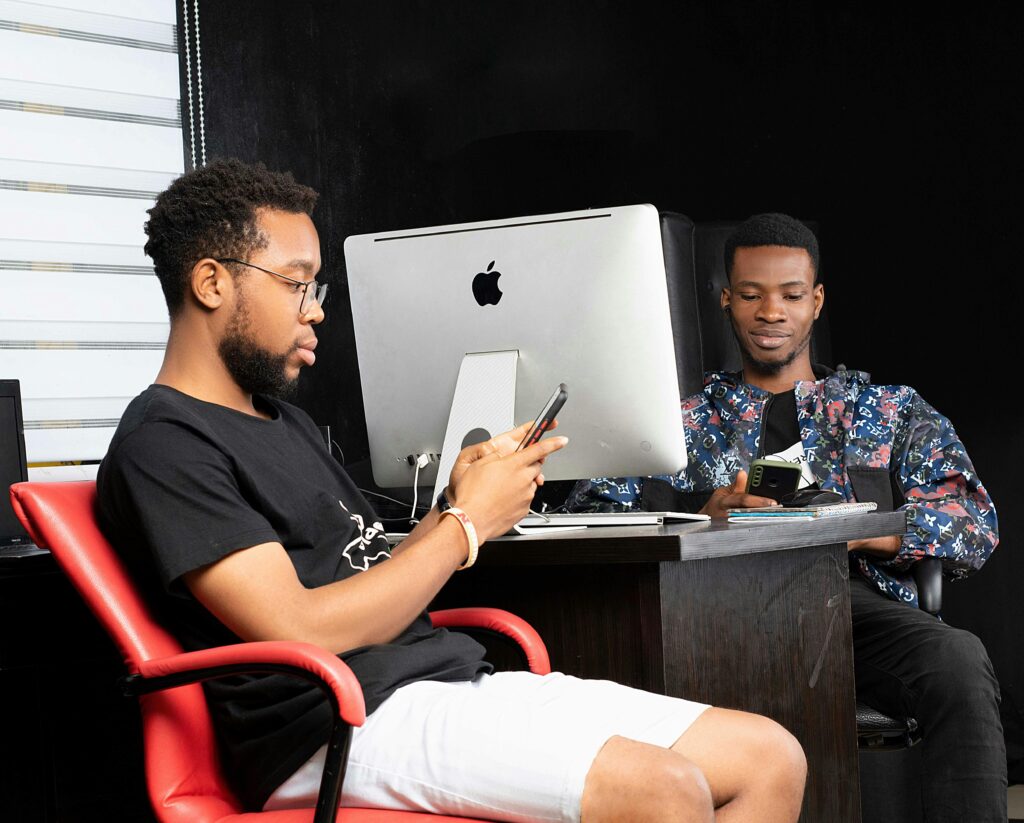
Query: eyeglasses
x=318, y=293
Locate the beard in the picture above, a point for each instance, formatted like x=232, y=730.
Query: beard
x=770, y=367
x=255, y=369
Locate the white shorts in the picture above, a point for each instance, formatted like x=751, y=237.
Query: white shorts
x=510, y=746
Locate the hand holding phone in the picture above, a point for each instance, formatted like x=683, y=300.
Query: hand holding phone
x=773, y=478
x=546, y=417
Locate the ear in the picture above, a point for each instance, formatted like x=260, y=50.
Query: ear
x=210, y=283
x=819, y=299
x=726, y=299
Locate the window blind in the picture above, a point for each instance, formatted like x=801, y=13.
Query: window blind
x=90, y=131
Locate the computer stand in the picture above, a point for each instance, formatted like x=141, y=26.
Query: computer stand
x=484, y=400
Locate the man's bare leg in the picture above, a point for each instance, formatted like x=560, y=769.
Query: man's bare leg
x=729, y=767
x=755, y=768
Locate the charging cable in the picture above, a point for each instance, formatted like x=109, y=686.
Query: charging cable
x=419, y=461
x=541, y=514
x=341, y=454
x=372, y=493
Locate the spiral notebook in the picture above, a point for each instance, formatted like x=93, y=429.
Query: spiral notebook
x=778, y=514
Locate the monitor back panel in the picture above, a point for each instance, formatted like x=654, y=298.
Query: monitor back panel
x=583, y=300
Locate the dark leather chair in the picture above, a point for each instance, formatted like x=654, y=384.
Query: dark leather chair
x=686, y=305
x=720, y=350
x=889, y=767
x=695, y=268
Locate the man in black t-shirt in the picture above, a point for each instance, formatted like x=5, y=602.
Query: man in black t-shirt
x=238, y=525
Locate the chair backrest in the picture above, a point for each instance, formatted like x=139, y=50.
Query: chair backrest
x=677, y=241
x=719, y=346
x=183, y=773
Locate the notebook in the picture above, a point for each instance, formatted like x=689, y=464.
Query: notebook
x=14, y=540
x=779, y=514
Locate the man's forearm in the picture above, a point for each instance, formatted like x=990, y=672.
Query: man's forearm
x=421, y=530
x=378, y=604
x=257, y=594
x=884, y=547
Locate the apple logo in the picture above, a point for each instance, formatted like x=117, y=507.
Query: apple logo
x=485, y=286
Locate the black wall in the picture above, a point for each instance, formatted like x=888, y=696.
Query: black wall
x=897, y=132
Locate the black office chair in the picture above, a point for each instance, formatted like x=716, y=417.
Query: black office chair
x=695, y=270
x=719, y=349
x=888, y=790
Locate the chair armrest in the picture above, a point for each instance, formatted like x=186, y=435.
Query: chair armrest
x=303, y=660
x=298, y=659
x=501, y=622
x=928, y=575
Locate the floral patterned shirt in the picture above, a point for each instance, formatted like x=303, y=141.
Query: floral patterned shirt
x=864, y=441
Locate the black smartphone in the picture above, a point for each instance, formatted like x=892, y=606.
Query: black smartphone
x=773, y=478
x=542, y=422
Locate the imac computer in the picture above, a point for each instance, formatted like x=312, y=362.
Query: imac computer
x=463, y=331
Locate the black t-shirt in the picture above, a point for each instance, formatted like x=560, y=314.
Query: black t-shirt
x=781, y=429
x=782, y=435
x=184, y=484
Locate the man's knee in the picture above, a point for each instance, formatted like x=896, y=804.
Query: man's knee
x=776, y=755
x=963, y=651
x=682, y=785
x=636, y=781
x=746, y=756
x=959, y=669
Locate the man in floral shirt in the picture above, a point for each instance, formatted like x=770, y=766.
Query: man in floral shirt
x=866, y=442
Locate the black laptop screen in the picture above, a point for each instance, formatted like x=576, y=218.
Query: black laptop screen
x=11, y=470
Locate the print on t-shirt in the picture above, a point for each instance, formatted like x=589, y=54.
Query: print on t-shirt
x=795, y=454
x=357, y=552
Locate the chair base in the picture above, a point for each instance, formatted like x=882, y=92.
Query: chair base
x=878, y=731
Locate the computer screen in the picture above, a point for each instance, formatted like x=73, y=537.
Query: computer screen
x=12, y=461
x=579, y=298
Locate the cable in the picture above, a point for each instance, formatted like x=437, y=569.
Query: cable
x=415, y=495
x=421, y=461
x=393, y=499
x=341, y=453
x=541, y=514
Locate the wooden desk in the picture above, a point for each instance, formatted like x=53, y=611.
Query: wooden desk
x=746, y=617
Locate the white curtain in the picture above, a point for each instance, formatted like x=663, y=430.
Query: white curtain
x=90, y=131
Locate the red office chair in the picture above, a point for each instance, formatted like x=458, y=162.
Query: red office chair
x=185, y=780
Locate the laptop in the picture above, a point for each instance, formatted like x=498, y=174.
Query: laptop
x=14, y=540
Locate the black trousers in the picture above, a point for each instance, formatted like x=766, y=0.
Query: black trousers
x=908, y=662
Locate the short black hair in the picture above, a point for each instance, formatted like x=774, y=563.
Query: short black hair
x=772, y=229
x=212, y=212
